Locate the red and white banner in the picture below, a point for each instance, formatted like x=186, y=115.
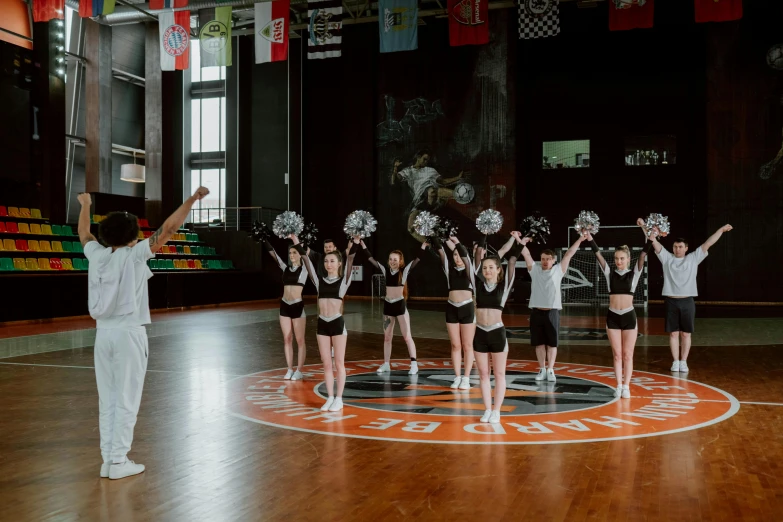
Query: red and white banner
x=272, y=31
x=717, y=10
x=167, y=4
x=468, y=22
x=174, y=40
x=631, y=14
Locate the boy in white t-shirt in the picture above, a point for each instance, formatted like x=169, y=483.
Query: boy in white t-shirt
x=118, y=301
x=679, y=289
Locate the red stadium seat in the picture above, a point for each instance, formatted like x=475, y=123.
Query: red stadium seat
x=3, y=212
x=12, y=228
x=21, y=245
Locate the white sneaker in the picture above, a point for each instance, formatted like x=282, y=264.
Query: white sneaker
x=105, y=467
x=626, y=392
x=383, y=368
x=486, y=416
x=297, y=376
x=541, y=374
x=550, y=375
x=337, y=405
x=464, y=383
x=619, y=391
x=455, y=384
x=494, y=418
x=288, y=375
x=328, y=404
x=414, y=368
x=684, y=367
x=126, y=469
x=675, y=366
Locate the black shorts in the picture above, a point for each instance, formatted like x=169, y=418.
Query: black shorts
x=294, y=311
x=626, y=321
x=680, y=314
x=332, y=328
x=493, y=341
x=544, y=327
x=394, y=309
x=465, y=314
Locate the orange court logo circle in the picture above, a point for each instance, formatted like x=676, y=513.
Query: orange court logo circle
x=579, y=407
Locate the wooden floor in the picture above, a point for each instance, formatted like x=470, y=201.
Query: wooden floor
x=205, y=464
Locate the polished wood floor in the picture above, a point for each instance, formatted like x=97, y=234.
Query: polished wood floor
x=204, y=464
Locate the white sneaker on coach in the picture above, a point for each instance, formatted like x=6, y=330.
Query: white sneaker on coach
x=541, y=374
x=626, y=392
x=464, y=383
x=486, y=416
x=494, y=418
x=414, y=368
x=619, y=391
x=550, y=375
x=327, y=404
x=297, y=376
x=337, y=405
x=105, y=469
x=455, y=384
x=383, y=368
x=684, y=367
x=675, y=366
x=288, y=375
x=126, y=469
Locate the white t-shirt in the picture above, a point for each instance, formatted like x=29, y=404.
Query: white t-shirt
x=419, y=180
x=545, y=289
x=679, y=275
x=104, y=260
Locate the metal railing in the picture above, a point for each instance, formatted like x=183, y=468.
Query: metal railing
x=231, y=218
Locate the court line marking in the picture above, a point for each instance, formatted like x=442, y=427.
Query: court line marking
x=93, y=367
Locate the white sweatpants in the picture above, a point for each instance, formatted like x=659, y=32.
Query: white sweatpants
x=120, y=367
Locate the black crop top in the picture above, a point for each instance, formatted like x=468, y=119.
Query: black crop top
x=621, y=283
x=398, y=278
x=496, y=297
x=291, y=276
x=327, y=288
x=456, y=278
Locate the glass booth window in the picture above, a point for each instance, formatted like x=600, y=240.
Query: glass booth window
x=566, y=154
x=651, y=150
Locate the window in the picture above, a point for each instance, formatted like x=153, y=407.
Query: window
x=651, y=150
x=566, y=154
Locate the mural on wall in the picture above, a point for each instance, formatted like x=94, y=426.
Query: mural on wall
x=775, y=61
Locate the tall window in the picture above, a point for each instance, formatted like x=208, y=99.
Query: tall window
x=208, y=136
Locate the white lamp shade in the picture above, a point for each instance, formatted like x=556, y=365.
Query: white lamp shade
x=132, y=172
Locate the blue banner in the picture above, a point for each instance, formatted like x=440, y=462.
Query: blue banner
x=398, y=21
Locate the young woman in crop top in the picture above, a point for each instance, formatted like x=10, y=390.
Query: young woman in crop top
x=492, y=291
x=292, y=314
x=460, y=309
x=621, y=324
x=331, y=286
x=394, y=308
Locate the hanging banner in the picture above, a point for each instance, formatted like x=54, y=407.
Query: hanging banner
x=174, y=40
x=272, y=25
x=325, y=29
x=539, y=18
x=167, y=4
x=45, y=10
x=398, y=22
x=89, y=9
x=717, y=10
x=214, y=34
x=468, y=22
x=630, y=14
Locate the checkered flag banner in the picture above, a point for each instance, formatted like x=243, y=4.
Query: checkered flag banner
x=538, y=18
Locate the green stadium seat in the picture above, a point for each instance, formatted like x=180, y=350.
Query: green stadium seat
x=6, y=264
x=67, y=230
x=228, y=264
x=77, y=263
x=67, y=246
x=57, y=230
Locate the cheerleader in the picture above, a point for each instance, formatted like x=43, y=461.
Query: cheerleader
x=331, y=286
x=460, y=309
x=394, y=308
x=621, y=326
x=492, y=291
x=292, y=314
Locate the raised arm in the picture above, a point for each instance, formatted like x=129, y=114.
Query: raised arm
x=174, y=221
x=648, y=247
x=350, y=254
x=478, y=255
x=311, y=271
x=571, y=252
x=594, y=246
x=269, y=248
x=505, y=248
x=84, y=218
x=371, y=259
x=511, y=268
x=407, y=270
x=526, y=254
x=715, y=237
x=656, y=246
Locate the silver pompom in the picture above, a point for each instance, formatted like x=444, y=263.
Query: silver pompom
x=288, y=223
x=587, y=222
x=425, y=224
x=659, y=224
x=489, y=222
x=360, y=223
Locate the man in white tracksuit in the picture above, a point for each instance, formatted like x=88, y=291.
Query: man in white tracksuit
x=119, y=302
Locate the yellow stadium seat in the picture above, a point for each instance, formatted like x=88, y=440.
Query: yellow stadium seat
x=43, y=264
x=198, y=264
x=33, y=246
x=57, y=246
x=24, y=228
x=1, y=247
x=35, y=228
x=187, y=249
x=24, y=212
x=13, y=212
x=46, y=230
x=141, y=235
x=8, y=244
x=32, y=263
x=67, y=264
x=35, y=213
x=45, y=246
x=19, y=264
